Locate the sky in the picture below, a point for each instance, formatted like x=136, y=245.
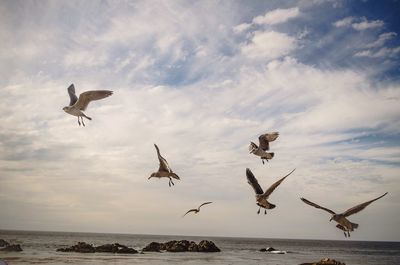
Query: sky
x=201, y=79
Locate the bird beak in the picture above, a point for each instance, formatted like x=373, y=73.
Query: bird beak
x=149, y=177
x=331, y=219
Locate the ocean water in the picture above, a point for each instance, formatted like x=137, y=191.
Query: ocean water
x=40, y=248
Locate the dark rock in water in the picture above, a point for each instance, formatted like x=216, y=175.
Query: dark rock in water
x=325, y=261
x=153, y=247
x=182, y=246
x=115, y=248
x=268, y=249
x=3, y=243
x=81, y=247
x=10, y=248
x=208, y=246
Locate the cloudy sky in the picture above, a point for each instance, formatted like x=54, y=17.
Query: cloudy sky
x=201, y=79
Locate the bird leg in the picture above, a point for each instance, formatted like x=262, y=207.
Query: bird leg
x=82, y=121
x=169, y=183
x=262, y=160
x=259, y=209
x=344, y=234
x=79, y=121
x=348, y=233
x=265, y=211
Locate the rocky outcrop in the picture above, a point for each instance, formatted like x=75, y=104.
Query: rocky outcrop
x=115, y=248
x=3, y=243
x=83, y=247
x=268, y=249
x=16, y=248
x=182, y=246
x=325, y=261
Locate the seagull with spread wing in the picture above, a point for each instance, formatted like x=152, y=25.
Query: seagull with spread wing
x=264, y=141
x=196, y=210
x=164, y=171
x=343, y=223
x=77, y=105
x=261, y=196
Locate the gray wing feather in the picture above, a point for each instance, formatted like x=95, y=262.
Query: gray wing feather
x=163, y=163
x=266, y=138
x=72, y=96
x=203, y=204
x=317, y=206
x=251, y=179
x=275, y=185
x=360, y=207
x=191, y=210
x=86, y=97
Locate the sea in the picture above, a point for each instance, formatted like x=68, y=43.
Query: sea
x=40, y=248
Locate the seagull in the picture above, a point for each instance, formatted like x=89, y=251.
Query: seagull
x=196, y=210
x=261, y=196
x=77, y=105
x=343, y=223
x=264, y=140
x=164, y=171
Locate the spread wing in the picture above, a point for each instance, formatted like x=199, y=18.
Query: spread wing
x=203, y=204
x=266, y=138
x=191, y=210
x=163, y=163
x=317, y=206
x=86, y=97
x=360, y=207
x=275, y=185
x=251, y=179
x=72, y=96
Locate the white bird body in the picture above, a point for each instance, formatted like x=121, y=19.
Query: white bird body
x=78, y=105
x=343, y=223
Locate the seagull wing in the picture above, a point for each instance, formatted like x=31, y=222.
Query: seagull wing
x=317, y=206
x=72, y=96
x=203, y=204
x=86, y=97
x=266, y=138
x=275, y=185
x=191, y=210
x=251, y=179
x=163, y=163
x=360, y=207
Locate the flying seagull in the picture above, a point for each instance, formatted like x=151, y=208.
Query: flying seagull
x=77, y=105
x=343, y=223
x=164, y=171
x=264, y=140
x=261, y=196
x=196, y=210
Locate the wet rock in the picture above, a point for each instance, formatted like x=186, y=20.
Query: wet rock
x=207, y=246
x=153, y=247
x=182, y=246
x=3, y=243
x=268, y=249
x=325, y=261
x=115, y=248
x=16, y=248
x=81, y=247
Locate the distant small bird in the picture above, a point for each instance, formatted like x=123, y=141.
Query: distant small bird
x=264, y=140
x=343, y=223
x=76, y=106
x=261, y=196
x=196, y=210
x=164, y=170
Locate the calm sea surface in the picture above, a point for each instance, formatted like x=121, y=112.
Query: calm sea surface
x=40, y=248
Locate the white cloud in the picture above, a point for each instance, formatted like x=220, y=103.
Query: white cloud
x=344, y=22
x=269, y=45
x=383, y=38
x=277, y=16
x=381, y=53
x=365, y=24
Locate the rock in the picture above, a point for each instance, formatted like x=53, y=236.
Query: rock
x=207, y=246
x=115, y=248
x=81, y=247
x=268, y=249
x=325, y=261
x=153, y=247
x=16, y=248
x=3, y=243
x=182, y=246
